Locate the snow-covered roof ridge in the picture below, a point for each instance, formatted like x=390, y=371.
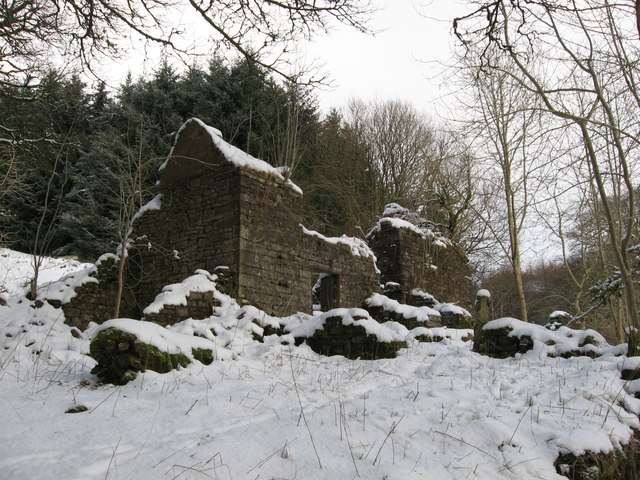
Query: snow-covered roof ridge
x=235, y=156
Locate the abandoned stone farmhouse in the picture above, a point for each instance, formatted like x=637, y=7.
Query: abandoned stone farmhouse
x=221, y=210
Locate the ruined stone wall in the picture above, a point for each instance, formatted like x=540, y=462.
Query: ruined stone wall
x=279, y=263
x=197, y=227
x=357, y=276
x=403, y=257
x=351, y=341
x=199, y=305
x=451, y=281
x=271, y=274
x=95, y=302
x=219, y=207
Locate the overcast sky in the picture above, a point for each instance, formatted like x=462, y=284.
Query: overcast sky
x=402, y=61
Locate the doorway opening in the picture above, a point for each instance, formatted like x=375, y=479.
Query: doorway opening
x=326, y=291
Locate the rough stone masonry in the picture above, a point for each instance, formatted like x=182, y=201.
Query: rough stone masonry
x=218, y=207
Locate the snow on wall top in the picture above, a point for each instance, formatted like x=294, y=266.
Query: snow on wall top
x=421, y=314
x=358, y=247
x=154, y=204
x=64, y=289
x=393, y=209
x=162, y=338
x=451, y=308
x=235, y=156
x=418, y=292
x=398, y=223
x=176, y=293
x=387, y=332
x=400, y=217
x=557, y=342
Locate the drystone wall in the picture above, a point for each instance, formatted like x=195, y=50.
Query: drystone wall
x=217, y=208
x=270, y=272
x=199, y=306
x=356, y=276
x=407, y=258
x=402, y=256
x=450, y=281
x=95, y=302
x=351, y=341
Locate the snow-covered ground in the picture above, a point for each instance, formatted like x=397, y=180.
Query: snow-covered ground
x=438, y=411
x=16, y=270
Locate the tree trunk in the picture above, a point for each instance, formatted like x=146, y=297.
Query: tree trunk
x=638, y=16
x=620, y=253
x=516, y=264
x=121, y=269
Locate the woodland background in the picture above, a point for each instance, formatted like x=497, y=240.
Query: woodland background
x=540, y=147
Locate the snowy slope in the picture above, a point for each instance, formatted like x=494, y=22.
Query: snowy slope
x=438, y=411
x=16, y=270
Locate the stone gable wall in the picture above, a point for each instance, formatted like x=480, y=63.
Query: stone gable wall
x=197, y=227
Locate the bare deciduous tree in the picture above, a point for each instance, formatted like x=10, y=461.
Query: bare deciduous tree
x=401, y=150
x=31, y=31
x=127, y=179
x=506, y=128
x=581, y=60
